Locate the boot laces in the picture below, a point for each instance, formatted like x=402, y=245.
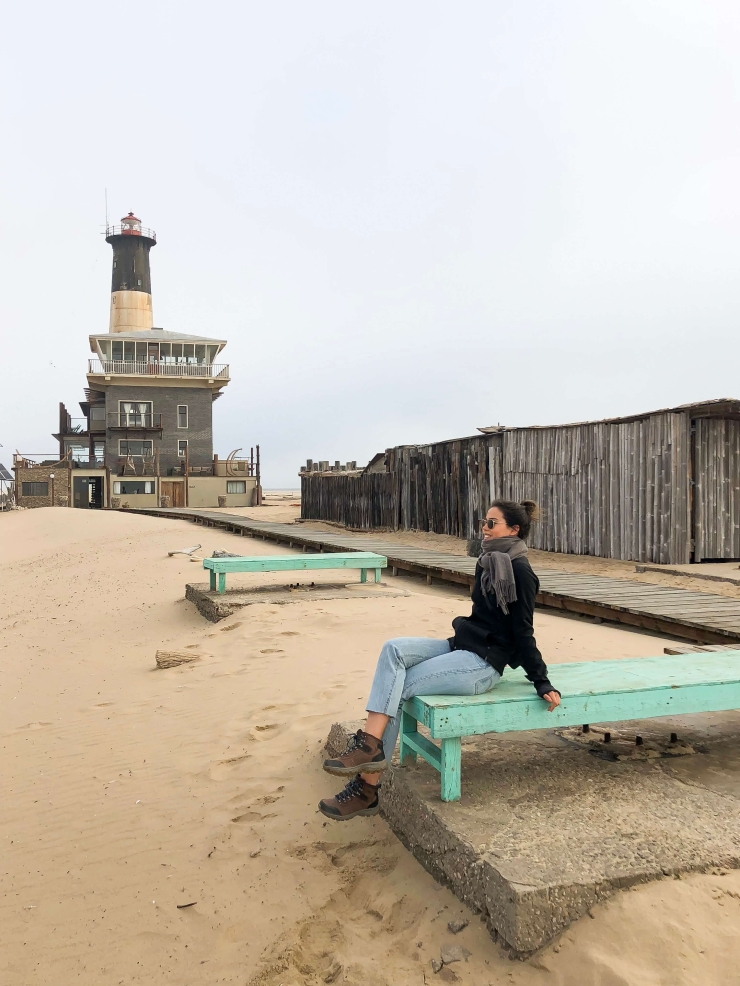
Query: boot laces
x=356, y=743
x=355, y=788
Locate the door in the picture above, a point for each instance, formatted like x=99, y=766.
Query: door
x=175, y=491
x=87, y=492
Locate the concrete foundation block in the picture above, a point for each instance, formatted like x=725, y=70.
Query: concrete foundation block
x=546, y=829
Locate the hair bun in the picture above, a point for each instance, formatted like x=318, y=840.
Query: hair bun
x=532, y=509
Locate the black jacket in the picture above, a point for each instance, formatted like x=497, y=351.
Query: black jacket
x=501, y=638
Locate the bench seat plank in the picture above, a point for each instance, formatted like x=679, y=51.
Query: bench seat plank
x=290, y=563
x=592, y=692
x=362, y=560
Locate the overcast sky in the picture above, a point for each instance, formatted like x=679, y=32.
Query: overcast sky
x=408, y=219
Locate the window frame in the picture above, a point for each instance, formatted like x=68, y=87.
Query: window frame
x=135, y=455
x=182, y=453
x=25, y=483
x=187, y=416
x=236, y=482
x=139, y=482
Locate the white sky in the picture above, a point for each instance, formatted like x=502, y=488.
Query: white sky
x=408, y=219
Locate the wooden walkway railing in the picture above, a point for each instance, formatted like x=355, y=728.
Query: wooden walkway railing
x=702, y=617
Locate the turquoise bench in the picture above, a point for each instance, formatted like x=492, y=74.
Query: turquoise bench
x=594, y=691
x=363, y=560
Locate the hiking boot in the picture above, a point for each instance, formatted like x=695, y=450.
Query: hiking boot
x=358, y=798
x=364, y=754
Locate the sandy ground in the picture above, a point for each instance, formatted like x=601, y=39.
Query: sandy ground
x=129, y=791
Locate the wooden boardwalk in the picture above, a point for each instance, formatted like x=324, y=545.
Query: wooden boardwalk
x=702, y=617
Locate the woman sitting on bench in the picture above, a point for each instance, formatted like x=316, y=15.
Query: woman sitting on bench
x=499, y=631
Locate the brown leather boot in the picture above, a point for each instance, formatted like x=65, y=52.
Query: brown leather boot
x=358, y=798
x=364, y=753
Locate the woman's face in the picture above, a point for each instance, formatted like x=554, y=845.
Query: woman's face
x=494, y=526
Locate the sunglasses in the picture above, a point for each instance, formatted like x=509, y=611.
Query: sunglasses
x=490, y=523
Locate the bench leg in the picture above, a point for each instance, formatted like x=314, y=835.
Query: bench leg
x=363, y=575
x=222, y=582
x=377, y=575
x=451, y=759
x=408, y=727
x=213, y=581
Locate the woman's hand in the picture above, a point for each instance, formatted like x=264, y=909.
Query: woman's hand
x=553, y=698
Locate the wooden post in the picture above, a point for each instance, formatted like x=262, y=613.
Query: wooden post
x=451, y=758
x=251, y=462
x=408, y=728
x=187, y=472
x=259, y=481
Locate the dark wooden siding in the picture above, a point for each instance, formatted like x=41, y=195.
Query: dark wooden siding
x=360, y=502
x=612, y=490
x=444, y=488
x=619, y=489
x=717, y=489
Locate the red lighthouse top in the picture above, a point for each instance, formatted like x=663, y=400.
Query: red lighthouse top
x=130, y=226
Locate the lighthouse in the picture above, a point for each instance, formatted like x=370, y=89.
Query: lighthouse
x=131, y=285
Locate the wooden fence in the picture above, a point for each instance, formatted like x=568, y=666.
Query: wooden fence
x=361, y=502
x=663, y=487
x=612, y=490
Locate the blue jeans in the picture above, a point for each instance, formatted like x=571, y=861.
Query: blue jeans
x=410, y=666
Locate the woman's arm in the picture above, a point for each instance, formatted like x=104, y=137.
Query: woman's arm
x=522, y=624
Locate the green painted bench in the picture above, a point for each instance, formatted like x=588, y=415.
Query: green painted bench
x=594, y=691
x=363, y=560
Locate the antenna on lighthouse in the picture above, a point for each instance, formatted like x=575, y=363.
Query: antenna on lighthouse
x=106, y=210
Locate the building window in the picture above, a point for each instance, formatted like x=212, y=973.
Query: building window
x=135, y=414
x=133, y=486
x=136, y=447
x=34, y=489
x=182, y=415
x=182, y=448
x=236, y=486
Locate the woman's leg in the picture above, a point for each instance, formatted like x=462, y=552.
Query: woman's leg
x=450, y=673
x=457, y=672
x=396, y=658
x=367, y=749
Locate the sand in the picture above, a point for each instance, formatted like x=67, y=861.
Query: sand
x=128, y=791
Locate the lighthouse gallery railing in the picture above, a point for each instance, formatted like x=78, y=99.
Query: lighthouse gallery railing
x=141, y=367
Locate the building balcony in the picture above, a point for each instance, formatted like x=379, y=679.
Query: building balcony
x=140, y=368
x=75, y=459
x=134, y=421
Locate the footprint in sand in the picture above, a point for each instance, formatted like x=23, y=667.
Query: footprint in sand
x=265, y=731
x=272, y=650
x=253, y=816
x=35, y=725
x=335, y=933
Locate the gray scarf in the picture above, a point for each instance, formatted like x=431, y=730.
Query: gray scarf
x=497, y=573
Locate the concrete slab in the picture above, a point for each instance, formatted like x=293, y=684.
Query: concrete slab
x=548, y=826
x=215, y=606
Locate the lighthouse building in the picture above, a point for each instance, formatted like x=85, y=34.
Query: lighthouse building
x=146, y=435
